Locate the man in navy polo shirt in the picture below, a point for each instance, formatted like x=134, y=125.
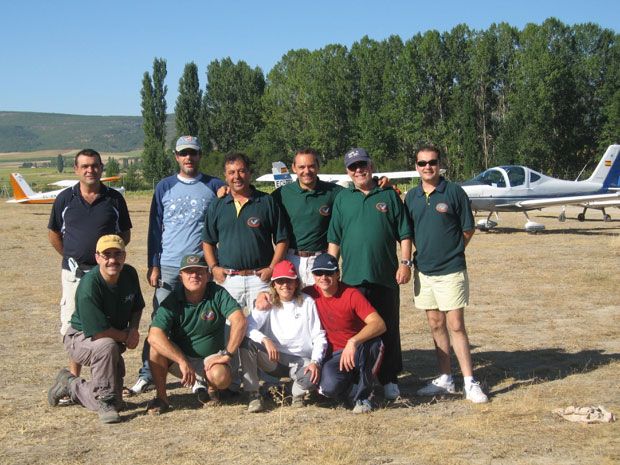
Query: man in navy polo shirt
x=443, y=225
x=80, y=216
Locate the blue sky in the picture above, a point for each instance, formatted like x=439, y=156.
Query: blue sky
x=87, y=57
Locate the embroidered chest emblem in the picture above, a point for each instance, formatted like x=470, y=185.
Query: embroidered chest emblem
x=325, y=210
x=442, y=207
x=382, y=207
x=207, y=315
x=254, y=222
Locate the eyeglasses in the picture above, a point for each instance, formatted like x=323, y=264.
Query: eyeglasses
x=108, y=255
x=357, y=165
x=323, y=272
x=282, y=281
x=423, y=163
x=186, y=152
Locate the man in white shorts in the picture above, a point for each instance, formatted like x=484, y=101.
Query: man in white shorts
x=443, y=225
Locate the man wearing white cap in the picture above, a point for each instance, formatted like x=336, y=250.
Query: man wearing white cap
x=175, y=222
x=108, y=307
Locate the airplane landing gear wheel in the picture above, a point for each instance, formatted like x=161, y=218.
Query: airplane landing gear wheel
x=562, y=217
x=607, y=218
x=581, y=217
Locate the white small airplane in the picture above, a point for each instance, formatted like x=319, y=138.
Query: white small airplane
x=519, y=188
x=280, y=176
x=23, y=193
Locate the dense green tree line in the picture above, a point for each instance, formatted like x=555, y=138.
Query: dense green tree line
x=547, y=96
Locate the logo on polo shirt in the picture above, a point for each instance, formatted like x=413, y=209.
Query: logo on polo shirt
x=325, y=210
x=208, y=315
x=129, y=298
x=442, y=207
x=382, y=207
x=253, y=222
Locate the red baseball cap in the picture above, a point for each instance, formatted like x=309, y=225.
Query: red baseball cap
x=284, y=269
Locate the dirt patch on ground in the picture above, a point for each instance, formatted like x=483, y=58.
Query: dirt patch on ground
x=544, y=327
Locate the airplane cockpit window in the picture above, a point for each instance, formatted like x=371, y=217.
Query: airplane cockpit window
x=491, y=177
x=534, y=176
x=516, y=175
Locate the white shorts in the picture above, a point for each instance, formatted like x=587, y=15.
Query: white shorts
x=446, y=292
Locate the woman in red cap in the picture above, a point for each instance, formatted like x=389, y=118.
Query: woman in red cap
x=284, y=341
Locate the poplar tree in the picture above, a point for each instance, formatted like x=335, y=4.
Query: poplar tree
x=187, y=108
x=156, y=163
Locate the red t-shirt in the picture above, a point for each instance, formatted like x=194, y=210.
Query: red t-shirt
x=342, y=316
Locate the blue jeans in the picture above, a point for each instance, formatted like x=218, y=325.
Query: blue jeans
x=169, y=277
x=368, y=358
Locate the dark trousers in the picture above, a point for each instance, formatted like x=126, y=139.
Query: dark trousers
x=387, y=303
x=368, y=358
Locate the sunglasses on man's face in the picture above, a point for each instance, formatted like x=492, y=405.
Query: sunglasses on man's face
x=423, y=163
x=323, y=273
x=186, y=152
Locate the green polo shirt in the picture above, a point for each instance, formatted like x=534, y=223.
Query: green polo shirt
x=244, y=242
x=307, y=213
x=198, y=330
x=100, y=306
x=438, y=223
x=367, y=227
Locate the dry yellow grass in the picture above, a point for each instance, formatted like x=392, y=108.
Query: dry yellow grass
x=543, y=326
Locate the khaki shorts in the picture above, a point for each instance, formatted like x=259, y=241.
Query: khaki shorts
x=197, y=363
x=446, y=292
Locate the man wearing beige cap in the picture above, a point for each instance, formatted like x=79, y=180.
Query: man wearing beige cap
x=108, y=307
x=187, y=336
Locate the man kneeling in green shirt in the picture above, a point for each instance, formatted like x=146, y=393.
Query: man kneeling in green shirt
x=187, y=336
x=108, y=307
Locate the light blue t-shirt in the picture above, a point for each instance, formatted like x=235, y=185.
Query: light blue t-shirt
x=177, y=216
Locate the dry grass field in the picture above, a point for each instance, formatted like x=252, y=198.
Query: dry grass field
x=544, y=326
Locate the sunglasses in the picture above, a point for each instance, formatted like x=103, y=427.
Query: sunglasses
x=357, y=165
x=423, y=163
x=186, y=152
x=323, y=273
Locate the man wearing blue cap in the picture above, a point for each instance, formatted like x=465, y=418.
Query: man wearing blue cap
x=367, y=221
x=175, y=223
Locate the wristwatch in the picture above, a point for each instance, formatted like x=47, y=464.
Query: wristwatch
x=225, y=352
x=409, y=263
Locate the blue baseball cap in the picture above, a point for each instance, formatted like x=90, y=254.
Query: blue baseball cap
x=325, y=262
x=355, y=155
x=188, y=142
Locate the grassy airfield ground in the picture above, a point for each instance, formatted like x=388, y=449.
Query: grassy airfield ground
x=544, y=325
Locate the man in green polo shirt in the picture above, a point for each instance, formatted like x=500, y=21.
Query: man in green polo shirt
x=443, y=225
x=307, y=208
x=187, y=335
x=108, y=307
x=366, y=223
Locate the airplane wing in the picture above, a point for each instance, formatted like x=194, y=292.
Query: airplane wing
x=345, y=177
x=64, y=183
x=568, y=200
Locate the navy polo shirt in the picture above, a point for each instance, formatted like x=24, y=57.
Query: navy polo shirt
x=82, y=224
x=439, y=220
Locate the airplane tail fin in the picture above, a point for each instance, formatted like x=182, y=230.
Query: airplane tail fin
x=281, y=176
x=21, y=189
x=607, y=171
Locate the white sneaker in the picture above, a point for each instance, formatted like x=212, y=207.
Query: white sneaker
x=142, y=385
x=436, y=387
x=474, y=393
x=391, y=391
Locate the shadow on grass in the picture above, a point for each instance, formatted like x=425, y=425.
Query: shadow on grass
x=518, y=368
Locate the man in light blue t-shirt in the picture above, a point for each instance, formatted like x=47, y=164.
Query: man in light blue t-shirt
x=175, y=223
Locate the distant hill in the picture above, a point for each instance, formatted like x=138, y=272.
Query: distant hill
x=29, y=131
